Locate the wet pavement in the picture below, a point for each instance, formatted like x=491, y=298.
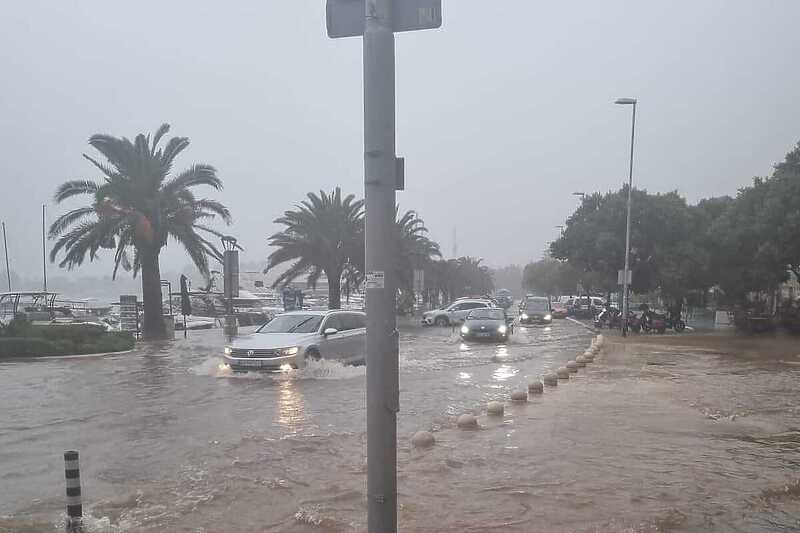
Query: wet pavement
x=651, y=437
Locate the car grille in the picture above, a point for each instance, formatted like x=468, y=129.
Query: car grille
x=242, y=352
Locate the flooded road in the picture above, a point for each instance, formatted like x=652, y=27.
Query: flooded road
x=648, y=438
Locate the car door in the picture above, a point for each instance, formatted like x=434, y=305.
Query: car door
x=355, y=333
x=466, y=307
x=333, y=346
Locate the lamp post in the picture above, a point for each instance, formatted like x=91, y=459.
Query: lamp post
x=630, y=102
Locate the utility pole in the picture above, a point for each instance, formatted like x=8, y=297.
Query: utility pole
x=5, y=247
x=44, y=248
x=382, y=337
x=625, y=272
x=376, y=21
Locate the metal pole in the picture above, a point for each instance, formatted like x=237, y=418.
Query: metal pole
x=72, y=473
x=382, y=337
x=44, y=250
x=628, y=234
x=5, y=247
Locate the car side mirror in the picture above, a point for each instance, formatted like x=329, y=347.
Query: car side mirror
x=330, y=331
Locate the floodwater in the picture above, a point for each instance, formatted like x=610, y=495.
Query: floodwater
x=650, y=438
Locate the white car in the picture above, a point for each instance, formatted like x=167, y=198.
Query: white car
x=455, y=313
x=291, y=339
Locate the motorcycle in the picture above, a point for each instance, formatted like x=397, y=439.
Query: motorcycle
x=609, y=317
x=652, y=321
x=675, y=322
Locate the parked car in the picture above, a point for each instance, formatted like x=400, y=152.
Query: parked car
x=558, y=310
x=291, y=339
x=485, y=324
x=455, y=313
x=535, y=310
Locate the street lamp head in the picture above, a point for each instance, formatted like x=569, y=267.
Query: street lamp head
x=579, y=193
x=625, y=101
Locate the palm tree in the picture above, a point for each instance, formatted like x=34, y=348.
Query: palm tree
x=135, y=209
x=322, y=235
x=415, y=248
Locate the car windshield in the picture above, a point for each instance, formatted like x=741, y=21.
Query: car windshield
x=536, y=305
x=486, y=314
x=292, y=324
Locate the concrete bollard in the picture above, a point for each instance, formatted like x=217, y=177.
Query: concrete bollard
x=581, y=361
x=519, y=396
x=467, y=421
x=423, y=439
x=572, y=366
x=536, y=387
x=495, y=409
x=562, y=372
x=551, y=380
x=72, y=474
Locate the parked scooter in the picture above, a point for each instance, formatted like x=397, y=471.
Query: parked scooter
x=608, y=317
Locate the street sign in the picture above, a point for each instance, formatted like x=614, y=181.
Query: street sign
x=345, y=18
x=620, y=280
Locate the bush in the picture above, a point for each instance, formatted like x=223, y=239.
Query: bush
x=39, y=346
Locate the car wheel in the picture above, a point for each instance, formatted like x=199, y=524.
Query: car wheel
x=441, y=321
x=313, y=354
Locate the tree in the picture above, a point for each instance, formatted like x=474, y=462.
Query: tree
x=550, y=277
x=135, y=211
x=322, y=235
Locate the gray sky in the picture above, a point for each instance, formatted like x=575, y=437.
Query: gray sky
x=502, y=113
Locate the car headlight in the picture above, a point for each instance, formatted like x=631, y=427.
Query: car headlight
x=228, y=350
x=289, y=351
x=524, y=316
x=464, y=330
x=502, y=330
x=548, y=317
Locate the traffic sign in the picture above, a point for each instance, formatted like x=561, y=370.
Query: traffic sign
x=345, y=18
x=621, y=281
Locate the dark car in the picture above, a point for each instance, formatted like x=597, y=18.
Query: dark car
x=485, y=324
x=535, y=310
x=504, y=298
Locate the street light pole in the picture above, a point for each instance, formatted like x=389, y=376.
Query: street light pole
x=382, y=336
x=631, y=102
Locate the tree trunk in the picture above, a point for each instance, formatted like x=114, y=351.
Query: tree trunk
x=334, y=289
x=153, y=323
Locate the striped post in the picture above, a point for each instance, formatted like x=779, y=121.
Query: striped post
x=72, y=473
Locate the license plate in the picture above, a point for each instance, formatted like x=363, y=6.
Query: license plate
x=245, y=362
x=484, y=334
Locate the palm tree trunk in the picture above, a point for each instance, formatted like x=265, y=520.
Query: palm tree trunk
x=334, y=289
x=153, y=326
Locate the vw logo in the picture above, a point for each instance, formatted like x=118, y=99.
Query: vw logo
x=250, y=353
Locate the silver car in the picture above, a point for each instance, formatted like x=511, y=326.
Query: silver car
x=291, y=339
x=454, y=313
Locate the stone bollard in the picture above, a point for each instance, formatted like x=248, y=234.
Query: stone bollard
x=519, y=396
x=423, y=439
x=581, y=361
x=562, y=372
x=572, y=366
x=467, y=421
x=72, y=473
x=495, y=409
x=551, y=380
x=536, y=387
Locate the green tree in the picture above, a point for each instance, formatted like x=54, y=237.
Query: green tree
x=322, y=235
x=135, y=210
x=550, y=277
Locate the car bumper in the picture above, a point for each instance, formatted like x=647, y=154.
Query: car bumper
x=484, y=336
x=534, y=320
x=261, y=363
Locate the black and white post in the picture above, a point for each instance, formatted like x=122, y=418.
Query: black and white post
x=72, y=473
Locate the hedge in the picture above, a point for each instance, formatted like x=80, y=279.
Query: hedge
x=73, y=343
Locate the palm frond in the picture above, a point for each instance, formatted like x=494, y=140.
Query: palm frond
x=74, y=188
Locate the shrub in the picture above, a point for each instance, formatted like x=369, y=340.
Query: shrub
x=38, y=346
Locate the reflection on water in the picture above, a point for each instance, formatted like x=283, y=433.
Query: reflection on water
x=504, y=373
x=291, y=405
